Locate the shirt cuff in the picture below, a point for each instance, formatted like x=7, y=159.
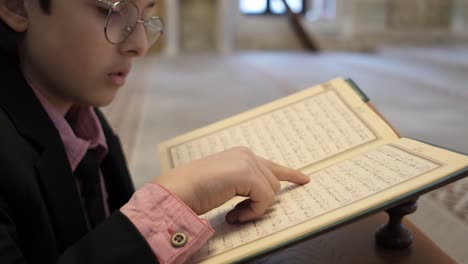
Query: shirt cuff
x=158, y=215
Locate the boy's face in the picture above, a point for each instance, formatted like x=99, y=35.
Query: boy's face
x=67, y=55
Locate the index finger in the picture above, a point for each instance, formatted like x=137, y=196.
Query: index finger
x=283, y=173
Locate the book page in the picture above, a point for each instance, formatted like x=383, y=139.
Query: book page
x=333, y=189
x=316, y=126
x=295, y=136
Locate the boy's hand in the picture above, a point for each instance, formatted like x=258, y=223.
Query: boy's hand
x=209, y=182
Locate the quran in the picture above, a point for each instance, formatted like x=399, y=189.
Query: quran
x=357, y=163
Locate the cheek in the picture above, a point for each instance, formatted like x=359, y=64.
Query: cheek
x=75, y=50
x=84, y=46
x=72, y=57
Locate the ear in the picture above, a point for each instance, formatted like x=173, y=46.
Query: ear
x=13, y=13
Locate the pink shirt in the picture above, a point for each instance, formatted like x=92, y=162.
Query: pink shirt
x=155, y=212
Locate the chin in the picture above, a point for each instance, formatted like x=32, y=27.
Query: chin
x=102, y=101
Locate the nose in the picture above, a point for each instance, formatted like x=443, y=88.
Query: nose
x=136, y=45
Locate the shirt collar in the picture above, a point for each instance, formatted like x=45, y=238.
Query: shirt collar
x=81, y=132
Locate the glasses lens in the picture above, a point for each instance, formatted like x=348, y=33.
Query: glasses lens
x=121, y=22
x=154, y=27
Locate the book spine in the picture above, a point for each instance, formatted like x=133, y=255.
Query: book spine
x=358, y=90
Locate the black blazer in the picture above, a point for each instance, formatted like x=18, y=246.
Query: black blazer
x=41, y=218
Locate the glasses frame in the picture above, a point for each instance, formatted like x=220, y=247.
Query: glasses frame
x=113, y=6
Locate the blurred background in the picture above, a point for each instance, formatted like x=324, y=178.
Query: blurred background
x=221, y=26
x=218, y=58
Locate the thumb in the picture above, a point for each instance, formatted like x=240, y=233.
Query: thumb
x=245, y=211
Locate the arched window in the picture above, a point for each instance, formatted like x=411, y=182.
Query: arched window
x=275, y=7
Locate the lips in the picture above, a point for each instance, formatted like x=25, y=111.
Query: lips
x=119, y=77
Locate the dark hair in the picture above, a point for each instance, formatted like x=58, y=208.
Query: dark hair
x=8, y=37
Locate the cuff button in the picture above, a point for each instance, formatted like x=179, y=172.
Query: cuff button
x=179, y=239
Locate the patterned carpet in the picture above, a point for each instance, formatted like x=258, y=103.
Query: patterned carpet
x=454, y=198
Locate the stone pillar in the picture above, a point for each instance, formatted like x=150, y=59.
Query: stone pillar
x=369, y=16
x=361, y=22
x=344, y=14
x=198, y=25
x=420, y=14
x=172, y=31
x=226, y=33
x=460, y=17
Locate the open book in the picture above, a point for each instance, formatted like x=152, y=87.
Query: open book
x=357, y=162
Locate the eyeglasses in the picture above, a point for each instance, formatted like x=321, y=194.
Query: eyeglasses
x=123, y=17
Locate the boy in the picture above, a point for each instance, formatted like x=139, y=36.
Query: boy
x=64, y=185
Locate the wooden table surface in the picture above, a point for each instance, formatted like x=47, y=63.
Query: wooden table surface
x=354, y=243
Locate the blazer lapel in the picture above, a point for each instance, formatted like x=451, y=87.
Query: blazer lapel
x=114, y=169
x=55, y=176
